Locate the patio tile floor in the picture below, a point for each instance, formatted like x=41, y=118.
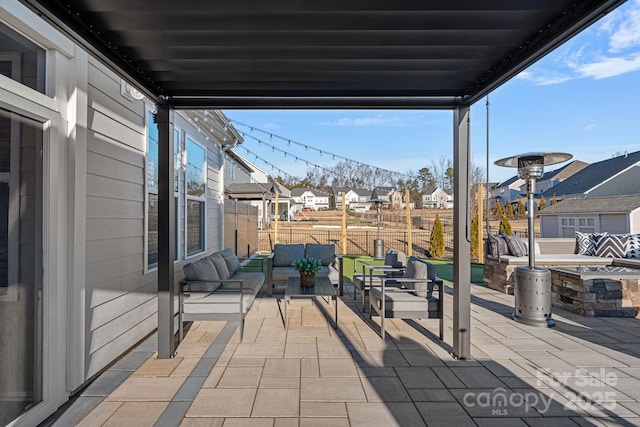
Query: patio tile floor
x=586, y=371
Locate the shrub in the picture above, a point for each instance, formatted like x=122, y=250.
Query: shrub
x=437, y=239
x=474, y=236
x=505, y=226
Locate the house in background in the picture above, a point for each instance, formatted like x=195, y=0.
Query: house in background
x=507, y=191
x=554, y=177
x=310, y=199
x=246, y=181
x=436, y=198
x=612, y=177
x=614, y=214
x=358, y=199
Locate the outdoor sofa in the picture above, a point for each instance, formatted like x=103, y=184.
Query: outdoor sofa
x=215, y=288
x=279, y=261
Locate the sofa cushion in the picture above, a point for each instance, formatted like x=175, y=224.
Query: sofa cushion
x=221, y=265
x=284, y=255
x=612, y=245
x=325, y=253
x=202, y=269
x=395, y=258
x=233, y=264
x=400, y=303
x=416, y=270
x=516, y=245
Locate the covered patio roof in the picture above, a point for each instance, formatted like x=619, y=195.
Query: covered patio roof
x=320, y=54
x=438, y=54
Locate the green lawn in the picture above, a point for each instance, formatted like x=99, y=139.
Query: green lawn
x=445, y=268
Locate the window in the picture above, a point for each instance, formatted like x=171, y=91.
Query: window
x=569, y=225
x=21, y=60
x=195, y=184
x=152, y=190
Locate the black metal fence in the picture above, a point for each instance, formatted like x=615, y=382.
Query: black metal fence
x=359, y=242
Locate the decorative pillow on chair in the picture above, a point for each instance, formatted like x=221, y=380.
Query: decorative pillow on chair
x=612, y=245
x=516, y=245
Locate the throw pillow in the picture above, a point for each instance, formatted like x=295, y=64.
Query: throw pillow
x=516, y=245
x=586, y=243
x=499, y=245
x=612, y=245
x=633, y=246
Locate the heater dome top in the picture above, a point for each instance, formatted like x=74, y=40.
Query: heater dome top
x=540, y=159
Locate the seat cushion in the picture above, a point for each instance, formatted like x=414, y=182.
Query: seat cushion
x=401, y=304
x=217, y=303
x=251, y=281
x=233, y=263
x=395, y=258
x=284, y=255
x=325, y=253
x=361, y=282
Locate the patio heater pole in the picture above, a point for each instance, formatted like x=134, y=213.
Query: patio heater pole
x=378, y=243
x=532, y=288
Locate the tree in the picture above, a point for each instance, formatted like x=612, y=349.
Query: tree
x=510, y=213
x=497, y=210
x=437, y=239
x=505, y=226
x=426, y=178
x=521, y=210
x=554, y=200
x=543, y=203
x=474, y=236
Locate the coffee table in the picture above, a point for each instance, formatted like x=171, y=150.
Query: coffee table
x=323, y=288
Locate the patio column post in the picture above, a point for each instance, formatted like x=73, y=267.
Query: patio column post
x=461, y=231
x=166, y=242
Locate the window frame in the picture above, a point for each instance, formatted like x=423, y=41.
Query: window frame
x=188, y=197
x=148, y=190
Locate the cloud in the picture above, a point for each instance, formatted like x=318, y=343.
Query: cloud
x=543, y=77
x=608, y=49
x=590, y=126
x=610, y=67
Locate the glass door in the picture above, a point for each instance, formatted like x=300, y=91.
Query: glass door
x=20, y=265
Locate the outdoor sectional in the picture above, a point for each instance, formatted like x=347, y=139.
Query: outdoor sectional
x=214, y=288
x=279, y=261
x=616, y=256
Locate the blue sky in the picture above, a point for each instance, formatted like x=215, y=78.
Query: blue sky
x=582, y=99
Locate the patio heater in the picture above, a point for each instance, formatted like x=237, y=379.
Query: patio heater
x=378, y=243
x=532, y=288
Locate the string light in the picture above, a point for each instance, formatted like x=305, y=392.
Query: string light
x=307, y=147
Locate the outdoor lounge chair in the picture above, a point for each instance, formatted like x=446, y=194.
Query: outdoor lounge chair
x=409, y=297
x=394, y=265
